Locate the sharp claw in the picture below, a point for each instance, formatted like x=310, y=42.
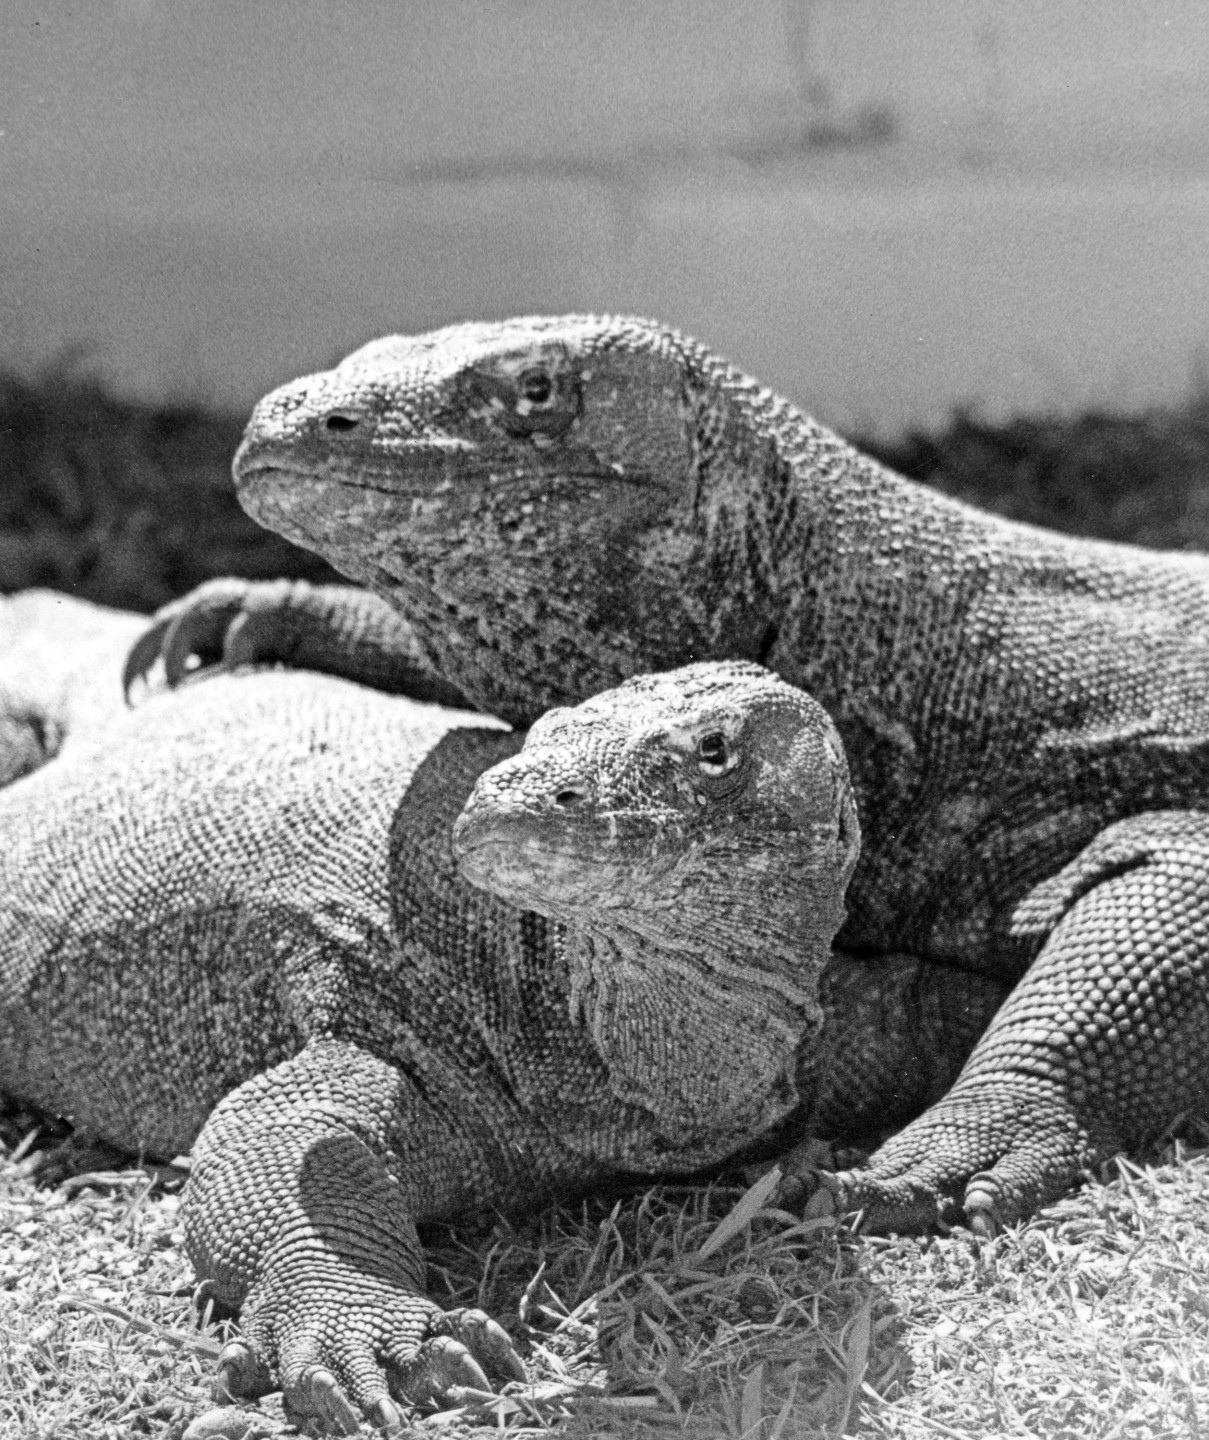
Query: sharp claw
x=239, y=646
x=485, y=1337
x=142, y=657
x=472, y=1372
x=982, y=1223
x=459, y=1365
x=329, y=1401
x=489, y=1342
x=822, y=1204
x=180, y=643
x=792, y=1192
x=497, y=1347
x=225, y=1388
x=981, y=1203
x=241, y=1374
x=512, y=1363
x=387, y=1416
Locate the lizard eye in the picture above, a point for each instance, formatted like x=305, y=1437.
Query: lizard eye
x=714, y=755
x=535, y=387
x=535, y=404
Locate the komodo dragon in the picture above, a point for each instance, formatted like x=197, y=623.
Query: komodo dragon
x=557, y=503
x=238, y=922
x=59, y=662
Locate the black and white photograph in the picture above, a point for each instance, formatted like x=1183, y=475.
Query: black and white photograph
x=604, y=719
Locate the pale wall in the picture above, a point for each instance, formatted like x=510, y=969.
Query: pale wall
x=217, y=195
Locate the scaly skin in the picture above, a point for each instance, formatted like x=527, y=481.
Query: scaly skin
x=59, y=665
x=557, y=503
x=237, y=925
x=629, y=822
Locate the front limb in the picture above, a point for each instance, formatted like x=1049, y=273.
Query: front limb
x=299, y=1213
x=896, y=1032
x=335, y=629
x=1099, y=1048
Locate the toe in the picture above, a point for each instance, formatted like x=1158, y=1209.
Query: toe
x=193, y=632
x=428, y=1374
x=315, y=1401
x=329, y=1401
x=387, y=1416
x=143, y=654
x=250, y=637
x=904, y=1205
x=984, y=1205
x=453, y=1364
x=242, y=1373
x=487, y=1341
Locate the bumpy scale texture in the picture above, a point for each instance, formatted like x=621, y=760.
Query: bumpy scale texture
x=231, y=919
x=555, y=504
x=58, y=661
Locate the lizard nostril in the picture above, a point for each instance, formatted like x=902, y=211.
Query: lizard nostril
x=340, y=420
x=568, y=798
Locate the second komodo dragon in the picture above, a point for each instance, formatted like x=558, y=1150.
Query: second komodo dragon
x=556, y=503
x=236, y=925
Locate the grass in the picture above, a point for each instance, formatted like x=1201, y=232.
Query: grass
x=123, y=503
x=650, y=1313
x=68, y=1365
x=692, y=1311
x=1141, y=479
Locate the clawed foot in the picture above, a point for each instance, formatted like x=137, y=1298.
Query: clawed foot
x=223, y=622
x=327, y=1382
x=331, y=629
x=906, y=1205
x=987, y=1158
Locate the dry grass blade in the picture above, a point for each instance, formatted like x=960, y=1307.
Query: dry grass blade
x=749, y=1205
x=856, y=1358
x=751, y=1410
x=199, y=1344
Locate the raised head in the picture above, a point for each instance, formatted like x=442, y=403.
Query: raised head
x=555, y=502
x=693, y=833
x=718, y=770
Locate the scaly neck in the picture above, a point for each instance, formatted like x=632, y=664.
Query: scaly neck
x=699, y=998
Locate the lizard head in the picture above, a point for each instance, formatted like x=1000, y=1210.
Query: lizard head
x=693, y=833
x=621, y=802
x=547, y=499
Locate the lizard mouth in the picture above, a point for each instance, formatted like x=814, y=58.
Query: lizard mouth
x=412, y=466
x=524, y=863
x=266, y=463
x=555, y=883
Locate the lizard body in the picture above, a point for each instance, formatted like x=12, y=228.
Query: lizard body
x=557, y=503
x=235, y=924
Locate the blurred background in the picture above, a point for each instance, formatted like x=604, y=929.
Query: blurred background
x=969, y=234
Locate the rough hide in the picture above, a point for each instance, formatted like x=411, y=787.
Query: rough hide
x=556, y=503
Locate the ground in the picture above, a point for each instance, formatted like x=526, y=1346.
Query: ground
x=1090, y=1321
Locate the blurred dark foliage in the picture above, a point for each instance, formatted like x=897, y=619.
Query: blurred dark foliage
x=130, y=504
x=125, y=503
x=1142, y=479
